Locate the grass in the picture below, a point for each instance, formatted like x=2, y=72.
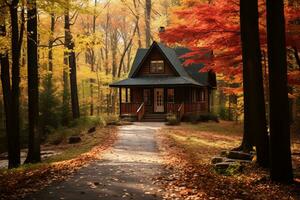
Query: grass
x=88, y=142
x=223, y=128
x=205, y=140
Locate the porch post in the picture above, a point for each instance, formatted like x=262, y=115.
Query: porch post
x=126, y=93
x=120, y=99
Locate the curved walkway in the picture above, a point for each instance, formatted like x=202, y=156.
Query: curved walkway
x=128, y=171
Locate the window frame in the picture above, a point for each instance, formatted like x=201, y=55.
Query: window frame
x=148, y=91
x=170, y=89
x=154, y=66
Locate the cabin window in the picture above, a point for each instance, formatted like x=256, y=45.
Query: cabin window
x=198, y=95
x=147, y=97
x=126, y=96
x=157, y=66
x=171, y=98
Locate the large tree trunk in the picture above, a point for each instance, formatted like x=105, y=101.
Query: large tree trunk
x=6, y=89
x=16, y=43
x=254, y=104
x=66, y=93
x=34, y=154
x=148, y=23
x=280, y=157
x=72, y=64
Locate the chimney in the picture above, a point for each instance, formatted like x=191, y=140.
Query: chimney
x=161, y=29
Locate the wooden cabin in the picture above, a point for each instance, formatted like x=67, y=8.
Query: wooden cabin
x=159, y=84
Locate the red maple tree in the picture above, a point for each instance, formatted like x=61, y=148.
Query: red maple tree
x=216, y=25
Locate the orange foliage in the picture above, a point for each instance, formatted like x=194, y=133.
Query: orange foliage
x=216, y=26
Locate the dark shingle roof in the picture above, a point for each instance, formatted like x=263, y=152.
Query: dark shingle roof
x=149, y=80
x=193, y=69
x=188, y=75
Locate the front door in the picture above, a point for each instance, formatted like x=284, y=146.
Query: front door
x=159, y=100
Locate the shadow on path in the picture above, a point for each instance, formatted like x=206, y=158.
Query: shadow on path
x=128, y=171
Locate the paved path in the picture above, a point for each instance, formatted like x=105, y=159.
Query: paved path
x=127, y=172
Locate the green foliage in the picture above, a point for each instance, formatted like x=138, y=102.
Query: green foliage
x=76, y=127
x=65, y=108
x=172, y=119
x=194, y=118
x=225, y=114
x=88, y=121
x=112, y=119
x=208, y=117
x=49, y=107
x=233, y=169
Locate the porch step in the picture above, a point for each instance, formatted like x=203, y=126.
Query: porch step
x=154, y=118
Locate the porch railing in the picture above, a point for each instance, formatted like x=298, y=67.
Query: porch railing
x=172, y=107
x=140, y=112
x=180, y=111
x=129, y=108
x=195, y=107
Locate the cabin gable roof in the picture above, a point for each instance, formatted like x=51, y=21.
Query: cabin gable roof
x=143, y=54
x=186, y=75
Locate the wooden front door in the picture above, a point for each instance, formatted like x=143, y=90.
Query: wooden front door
x=159, y=105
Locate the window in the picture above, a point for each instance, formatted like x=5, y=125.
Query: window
x=171, y=98
x=157, y=66
x=147, y=99
x=198, y=95
x=126, y=95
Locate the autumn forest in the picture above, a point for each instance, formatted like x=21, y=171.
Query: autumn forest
x=150, y=99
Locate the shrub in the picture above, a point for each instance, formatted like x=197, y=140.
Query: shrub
x=59, y=135
x=88, y=121
x=193, y=118
x=172, y=119
x=208, y=117
x=112, y=119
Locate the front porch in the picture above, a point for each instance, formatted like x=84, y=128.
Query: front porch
x=155, y=102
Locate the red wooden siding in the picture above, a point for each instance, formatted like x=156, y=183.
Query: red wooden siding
x=182, y=95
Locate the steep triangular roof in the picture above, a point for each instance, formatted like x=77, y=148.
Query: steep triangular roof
x=167, y=52
x=186, y=75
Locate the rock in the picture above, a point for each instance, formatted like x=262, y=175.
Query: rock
x=228, y=167
x=216, y=160
x=236, y=160
x=74, y=139
x=224, y=153
x=239, y=155
x=91, y=130
x=222, y=165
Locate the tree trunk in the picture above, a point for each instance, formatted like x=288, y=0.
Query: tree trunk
x=72, y=65
x=16, y=43
x=34, y=154
x=6, y=89
x=114, y=48
x=137, y=17
x=126, y=47
x=73, y=83
x=66, y=93
x=50, y=45
x=280, y=157
x=92, y=97
x=147, y=23
x=254, y=103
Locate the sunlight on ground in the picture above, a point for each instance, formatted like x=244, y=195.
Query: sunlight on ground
x=205, y=140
